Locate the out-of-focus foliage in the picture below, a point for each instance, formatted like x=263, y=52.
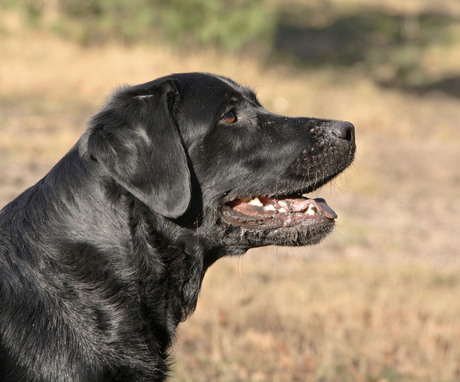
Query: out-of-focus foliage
x=412, y=48
x=229, y=25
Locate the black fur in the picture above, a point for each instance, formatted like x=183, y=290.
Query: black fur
x=101, y=259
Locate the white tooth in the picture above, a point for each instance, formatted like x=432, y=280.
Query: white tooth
x=269, y=208
x=256, y=202
x=311, y=210
x=282, y=210
x=282, y=203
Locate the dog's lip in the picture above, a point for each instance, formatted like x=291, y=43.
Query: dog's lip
x=273, y=212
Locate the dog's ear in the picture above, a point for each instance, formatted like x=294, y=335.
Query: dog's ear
x=135, y=138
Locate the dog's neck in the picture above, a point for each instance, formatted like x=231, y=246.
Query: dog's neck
x=159, y=258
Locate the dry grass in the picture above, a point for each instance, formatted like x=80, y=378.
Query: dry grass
x=288, y=319
x=378, y=301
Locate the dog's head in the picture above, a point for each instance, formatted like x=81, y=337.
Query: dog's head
x=202, y=152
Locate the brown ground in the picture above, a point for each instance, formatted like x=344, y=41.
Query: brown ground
x=377, y=301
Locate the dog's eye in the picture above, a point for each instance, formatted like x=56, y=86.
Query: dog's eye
x=229, y=117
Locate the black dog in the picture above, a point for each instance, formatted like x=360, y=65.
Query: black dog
x=101, y=260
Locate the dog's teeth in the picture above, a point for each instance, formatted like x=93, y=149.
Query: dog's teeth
x=255, y=202
x=311, y=210
x=282, y=210
x=283, y=204
x=269, y=208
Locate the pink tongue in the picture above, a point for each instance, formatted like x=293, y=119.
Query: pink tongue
x=327, y=211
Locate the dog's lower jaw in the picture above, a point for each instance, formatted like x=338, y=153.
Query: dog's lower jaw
x=237, y=240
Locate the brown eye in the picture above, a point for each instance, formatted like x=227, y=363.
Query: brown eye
x=229, y=117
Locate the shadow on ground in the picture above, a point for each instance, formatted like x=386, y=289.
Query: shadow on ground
x=448, y=86
x=387, y=46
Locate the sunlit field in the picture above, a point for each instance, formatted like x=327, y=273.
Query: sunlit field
x=378, y=300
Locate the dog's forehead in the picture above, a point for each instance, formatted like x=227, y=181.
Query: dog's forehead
x=214, y=86
x=234, y=85
x=237, y=89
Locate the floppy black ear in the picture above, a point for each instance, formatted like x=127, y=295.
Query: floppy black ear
x=135, y=138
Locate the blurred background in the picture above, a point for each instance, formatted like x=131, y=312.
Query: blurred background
x=379, y=299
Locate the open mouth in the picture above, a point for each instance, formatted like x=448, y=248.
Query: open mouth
x=267, y=213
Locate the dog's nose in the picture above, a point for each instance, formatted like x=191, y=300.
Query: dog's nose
x=344, y=130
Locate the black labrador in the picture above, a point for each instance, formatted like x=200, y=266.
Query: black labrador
x=102, y=258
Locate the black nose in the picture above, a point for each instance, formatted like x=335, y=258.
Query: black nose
x=344, y=130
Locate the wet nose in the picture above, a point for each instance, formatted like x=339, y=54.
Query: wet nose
x=345, y=131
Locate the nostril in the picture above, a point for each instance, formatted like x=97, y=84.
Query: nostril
x=345, y=131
